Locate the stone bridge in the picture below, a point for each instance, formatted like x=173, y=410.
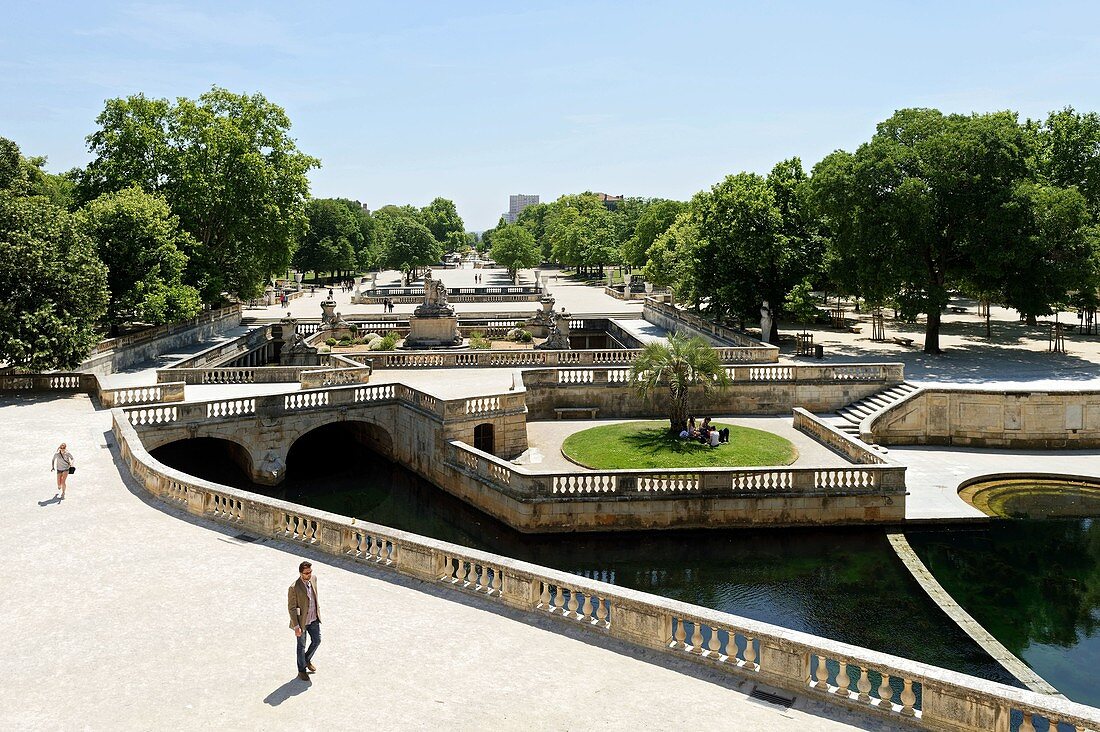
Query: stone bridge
x=401, y=423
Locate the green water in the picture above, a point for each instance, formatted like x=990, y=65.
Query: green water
x=844, y=584
x=1035, y=585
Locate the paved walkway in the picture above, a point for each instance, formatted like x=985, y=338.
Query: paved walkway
x=131, y=616
x=643, y=330
x=577, y=298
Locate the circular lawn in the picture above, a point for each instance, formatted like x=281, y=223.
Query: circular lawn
x=651, y=445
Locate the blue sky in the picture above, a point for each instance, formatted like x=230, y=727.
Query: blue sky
x=473, y=101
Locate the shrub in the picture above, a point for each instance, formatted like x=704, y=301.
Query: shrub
x=330, y=342
x=371, y=337
x=525, y=336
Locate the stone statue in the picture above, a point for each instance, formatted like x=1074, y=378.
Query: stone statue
x=435, y=298
x=558, y=338
x=330, y=318
x=765, y=321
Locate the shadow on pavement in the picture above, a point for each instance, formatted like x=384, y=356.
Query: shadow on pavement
x=51, y=501
x=294, y=687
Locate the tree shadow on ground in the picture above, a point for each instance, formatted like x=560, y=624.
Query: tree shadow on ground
x=656, y=440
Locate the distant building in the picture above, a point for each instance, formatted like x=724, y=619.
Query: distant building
x=516, y=203
x=610, y=202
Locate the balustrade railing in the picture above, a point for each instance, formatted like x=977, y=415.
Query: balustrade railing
x=888, y=687
x=854, y=450
x=885, y=479
x=134, y=395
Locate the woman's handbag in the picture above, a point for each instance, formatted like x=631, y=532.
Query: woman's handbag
x=72, y=470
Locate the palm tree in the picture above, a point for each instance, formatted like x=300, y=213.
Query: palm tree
x=679, y=364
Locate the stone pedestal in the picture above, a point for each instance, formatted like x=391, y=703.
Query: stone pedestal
x=433, y=332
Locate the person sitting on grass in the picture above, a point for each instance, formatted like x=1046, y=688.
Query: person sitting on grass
x=714, y=438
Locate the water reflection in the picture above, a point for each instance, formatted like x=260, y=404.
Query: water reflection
x=1033, y=584
x=844, y=584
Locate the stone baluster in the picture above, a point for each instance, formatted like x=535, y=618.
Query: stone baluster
x=864, y=685
x=1027, y=726
x=573, y=603
x=821, y=676
x=714, y=645
x=601, y=611
x=842, y=680
x=680, y=635
x=586, y=611
x=908, y=698
x=750, y=654
x=559, y=601
x=696, y=638
x=886, y=692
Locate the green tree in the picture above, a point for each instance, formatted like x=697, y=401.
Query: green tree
x=514, y=248
x=457, y=241
x=670, y=261
x=653, y=221
x=678, y=365
x=145, y=251
x=923, y=204
x=54, y=285
x=228, y=168
x=441, y=217
x=745, y=260
x=411, y=246
x=581, y=232
x=533, y=218
x=333, y=238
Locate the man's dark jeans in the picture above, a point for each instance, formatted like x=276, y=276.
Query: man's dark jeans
x=305, y=655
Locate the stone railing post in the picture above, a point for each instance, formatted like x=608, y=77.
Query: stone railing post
x=646, y=626
x=802, y=479
x=520, y=591
x=790, y=667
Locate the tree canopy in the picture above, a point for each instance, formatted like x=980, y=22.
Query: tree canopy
x=139, y=239
x=226, y=165
x=514, y=248
x=54, y=285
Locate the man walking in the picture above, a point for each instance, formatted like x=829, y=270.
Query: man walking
x=305, y=617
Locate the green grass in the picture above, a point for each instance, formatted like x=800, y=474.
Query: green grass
x=650, y=445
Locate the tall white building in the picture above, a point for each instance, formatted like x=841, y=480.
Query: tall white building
x=516, y=203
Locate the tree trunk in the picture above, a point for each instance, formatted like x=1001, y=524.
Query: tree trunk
x=932, y=332
x=1031, y=321
x=678, y=412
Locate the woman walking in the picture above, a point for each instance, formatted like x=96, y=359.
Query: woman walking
x=63, y=465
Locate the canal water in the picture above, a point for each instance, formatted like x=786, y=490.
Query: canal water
x=844, y=584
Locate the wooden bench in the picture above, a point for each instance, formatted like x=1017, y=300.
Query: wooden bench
x=590, y=411
x=854, y=328
x=957, y=309
x=902, y=341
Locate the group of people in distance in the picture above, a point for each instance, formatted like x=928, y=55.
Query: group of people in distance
x=705, y=433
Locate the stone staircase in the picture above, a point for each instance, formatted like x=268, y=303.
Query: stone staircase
x=847, y=419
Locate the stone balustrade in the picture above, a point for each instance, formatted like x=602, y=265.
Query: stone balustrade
x=71, y=381
x=342, y=376
x=894, y=689
x=886, y=480
x=510, y=357
x=672, y=318
x=231, y=312
x=825, y=433
x=133, y=395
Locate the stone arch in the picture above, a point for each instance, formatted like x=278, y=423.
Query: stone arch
x=234, y=449
x=485, y=437
x=372, y=436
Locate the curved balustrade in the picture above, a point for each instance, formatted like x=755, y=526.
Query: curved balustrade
x=891, y=688
x=516, y=479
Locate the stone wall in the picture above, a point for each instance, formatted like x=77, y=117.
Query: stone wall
x=672, y=318
x=992, y=418
x=116, y=354
x=754, y=390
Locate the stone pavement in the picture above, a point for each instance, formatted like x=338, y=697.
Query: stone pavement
x=935, y=473
x=130, y=615
x=577, y=298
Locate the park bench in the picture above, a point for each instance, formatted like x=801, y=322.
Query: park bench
x=957, y=309
x=854, y=328
x=590, y=411
x=902, y=341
